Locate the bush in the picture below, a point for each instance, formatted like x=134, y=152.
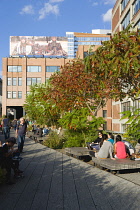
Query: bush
x=54, y=141
x=79, y=129
x=77, y=138
x=74, y=139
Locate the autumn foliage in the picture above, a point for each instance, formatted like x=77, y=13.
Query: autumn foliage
x=112, y=72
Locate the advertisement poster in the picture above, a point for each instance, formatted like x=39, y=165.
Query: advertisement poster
x=38, y=45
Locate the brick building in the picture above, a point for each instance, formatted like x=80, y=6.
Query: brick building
x=27, y=65
x=124, y=13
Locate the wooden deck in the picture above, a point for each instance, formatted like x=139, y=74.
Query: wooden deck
x=55, y=181
x=81, y=153
x=117, y=165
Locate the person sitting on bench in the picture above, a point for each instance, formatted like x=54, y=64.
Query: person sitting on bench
x=96, y=144
x=120, y=148
x=106, y=150
x=7, y=160
x=38, y=133
x=137, y=147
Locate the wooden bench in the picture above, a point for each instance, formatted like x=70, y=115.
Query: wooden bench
x=35, y=137
x=30, y=134
x=81, y=153
x=116, y=165
x=39, y=139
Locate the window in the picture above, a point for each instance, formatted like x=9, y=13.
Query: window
x=104, y=113
x=136, y=6
x=9, y=81
x=52, y=68
x=19, y=94
x=126, y=21
x=125, y=106
x=14, y=68
x=105, y=126
x=33, y=68
x=123, y=4
x=19, y=81
x=14, y=95
x=124, y=127
x=38, y=80
x=137, y=104
x=14, y=81
x=33, y=80
x=9, y=94
x=29, y=81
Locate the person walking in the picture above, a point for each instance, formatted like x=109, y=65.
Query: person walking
x=6, y=127
x=21, y=132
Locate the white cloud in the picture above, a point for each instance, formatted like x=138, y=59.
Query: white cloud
x=110, y=2
x=48, y=9
x=55, y=1
x=94, y=3
x=107, y=16
x=28, y=9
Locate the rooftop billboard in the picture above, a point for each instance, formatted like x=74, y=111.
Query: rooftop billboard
x=38, y=45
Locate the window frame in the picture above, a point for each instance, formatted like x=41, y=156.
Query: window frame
x=34, y=69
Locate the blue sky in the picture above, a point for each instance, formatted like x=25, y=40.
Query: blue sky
x=51, y=18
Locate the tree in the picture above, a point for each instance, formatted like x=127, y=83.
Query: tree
x=133, y=122
x=73, y=87
x=39, y=107
x=79, y=129
x=117, y=65
x=112, y=72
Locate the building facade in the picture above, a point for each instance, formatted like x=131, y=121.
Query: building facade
x=125, y=12
x=29, y=64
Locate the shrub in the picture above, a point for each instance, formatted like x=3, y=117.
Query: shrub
x=79, y=128
x=74, y=139
x=54, y=141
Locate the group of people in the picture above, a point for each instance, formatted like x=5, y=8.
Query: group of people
x=20, y=128
x=106, y=147
x=44, y=130
x=9, y=157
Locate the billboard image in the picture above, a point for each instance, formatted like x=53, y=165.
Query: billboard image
x=38, y=45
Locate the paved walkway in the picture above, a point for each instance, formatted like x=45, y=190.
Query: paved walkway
x=55, y=181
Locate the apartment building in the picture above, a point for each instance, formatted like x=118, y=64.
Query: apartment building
x=124, y=13
x=34, y=59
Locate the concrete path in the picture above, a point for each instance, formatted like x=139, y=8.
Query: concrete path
x=55, y=181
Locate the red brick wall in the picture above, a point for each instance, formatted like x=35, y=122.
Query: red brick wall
x=115, y=19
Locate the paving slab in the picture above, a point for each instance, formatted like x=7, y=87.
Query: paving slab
x=54, y=181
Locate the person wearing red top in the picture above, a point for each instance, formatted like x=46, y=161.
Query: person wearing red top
x=120, y=149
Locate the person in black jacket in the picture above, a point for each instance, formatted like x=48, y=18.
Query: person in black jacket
x=6, y=127
x=7, y=160
x=38, y=133
x=21, y=132
x=96, y=144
